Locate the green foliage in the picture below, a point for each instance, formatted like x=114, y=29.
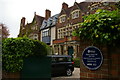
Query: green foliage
x=76, y=62
x=14, y=51
x=40, y=48
x=103, y=27
x=75, y=33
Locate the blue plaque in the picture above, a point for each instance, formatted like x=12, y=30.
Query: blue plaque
x=92, y=57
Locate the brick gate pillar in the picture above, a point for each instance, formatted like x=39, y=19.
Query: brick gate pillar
x=110, y=68
x=115, y=62
x=102, y=72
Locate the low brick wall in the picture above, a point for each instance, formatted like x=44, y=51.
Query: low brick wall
x=110, y=67
x=10, y=75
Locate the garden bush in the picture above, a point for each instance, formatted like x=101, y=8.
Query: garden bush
x=76, y=62
x=14, y=50
x=40, y=48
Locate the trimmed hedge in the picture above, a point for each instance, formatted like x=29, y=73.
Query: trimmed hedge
x=76, y=62
x=14, y=50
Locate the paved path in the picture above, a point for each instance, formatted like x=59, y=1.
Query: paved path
x=75, y=76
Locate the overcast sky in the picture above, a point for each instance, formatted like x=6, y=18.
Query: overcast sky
x=11, y=11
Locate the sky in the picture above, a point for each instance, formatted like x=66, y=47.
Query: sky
x=11, y=11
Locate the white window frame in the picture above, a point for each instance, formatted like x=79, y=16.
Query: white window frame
x=62, y=18
x=33, y=27
x=45, y=33
x=36, y=36
x=75, y=14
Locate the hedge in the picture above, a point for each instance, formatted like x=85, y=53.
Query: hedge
x=76, y=62
x=14, y=50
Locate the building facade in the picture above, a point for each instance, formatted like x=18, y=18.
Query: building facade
x=41, y=28
x=69, y=20
x=31, y=30
x=48, y=28
x=56, y=31
x=101, y=5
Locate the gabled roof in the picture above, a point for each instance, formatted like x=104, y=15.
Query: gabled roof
x=83, y=6
x=28, y=25
x=38, y=19
x=44, y=24
x=49, y=22
x=68, y=10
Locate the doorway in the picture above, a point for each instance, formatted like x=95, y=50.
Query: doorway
x=70, y=50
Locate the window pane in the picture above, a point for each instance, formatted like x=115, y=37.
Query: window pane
x=75, y=14
x=42, y=34
x=46, y=33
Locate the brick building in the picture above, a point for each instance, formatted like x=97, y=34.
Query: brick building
x=41, y=28
x=69, y=20
x=57, y=30
x=31, y=30
x=101, y=5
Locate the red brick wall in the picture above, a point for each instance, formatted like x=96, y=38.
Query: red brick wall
x=110, y=67
x=47, y=14
x=115, y=62
x=73, y=38
x=64, y=6
x=12, y=76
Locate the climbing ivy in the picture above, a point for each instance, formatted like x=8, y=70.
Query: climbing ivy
x=103, y=27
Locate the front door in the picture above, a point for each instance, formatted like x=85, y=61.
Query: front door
x=70, y=50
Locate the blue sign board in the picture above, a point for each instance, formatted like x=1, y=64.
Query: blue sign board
x=92, y=57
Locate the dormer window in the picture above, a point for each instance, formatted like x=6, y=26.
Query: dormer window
x=23, y=28
x=96, y=7
x=75, y=14
x=105, y=3
x=62, y=18
x=49, y=22
x=36, y=28
x=33, y=27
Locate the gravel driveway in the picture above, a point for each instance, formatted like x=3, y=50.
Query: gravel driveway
x=75, y=76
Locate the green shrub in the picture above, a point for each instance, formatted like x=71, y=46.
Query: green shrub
x=40, y=48
x=76, y=62
x=14, y=50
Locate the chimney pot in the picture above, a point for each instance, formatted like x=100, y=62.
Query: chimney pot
x=64, y=6
x=47, y=14
x=34, y=13
x=23, y=21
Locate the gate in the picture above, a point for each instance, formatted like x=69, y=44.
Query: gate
x=36, y=68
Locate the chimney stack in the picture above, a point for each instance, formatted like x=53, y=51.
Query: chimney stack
x=64, y=6
x=23, y=21
x=34, y=13
x=47, y=14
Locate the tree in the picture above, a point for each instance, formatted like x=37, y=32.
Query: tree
x=103, y=27
x=5, y=31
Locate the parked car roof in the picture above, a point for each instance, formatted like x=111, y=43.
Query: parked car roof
x=59, y=56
